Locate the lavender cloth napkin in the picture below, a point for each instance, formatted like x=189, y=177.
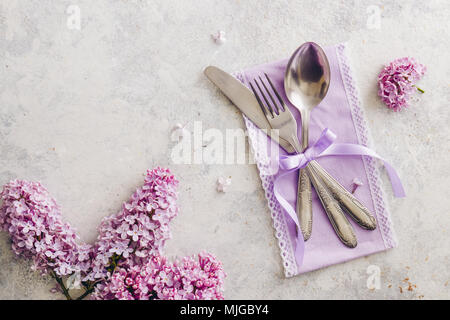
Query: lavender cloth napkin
x=340, y=111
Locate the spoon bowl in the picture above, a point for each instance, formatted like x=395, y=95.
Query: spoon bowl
x=307, y=76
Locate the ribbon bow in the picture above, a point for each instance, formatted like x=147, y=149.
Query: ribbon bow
x=324, y=147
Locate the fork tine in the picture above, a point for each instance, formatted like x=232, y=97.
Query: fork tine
x=264, y=97
x=276, y=93
x=261, y=104
x=274, y=104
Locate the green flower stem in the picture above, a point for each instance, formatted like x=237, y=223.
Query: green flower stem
x=61, y=284
x=420, y=90
x=88, y=291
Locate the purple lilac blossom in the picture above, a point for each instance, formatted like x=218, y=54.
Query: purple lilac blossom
x=191, y=278
x=396, y=82
x=33, y=220
x=141, y=228
x=126, y=261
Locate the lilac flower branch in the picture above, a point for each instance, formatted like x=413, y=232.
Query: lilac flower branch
x=126, y=262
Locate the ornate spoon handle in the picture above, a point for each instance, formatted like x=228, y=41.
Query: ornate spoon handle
x=359, y=213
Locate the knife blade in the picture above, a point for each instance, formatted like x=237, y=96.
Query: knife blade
x=243, y=98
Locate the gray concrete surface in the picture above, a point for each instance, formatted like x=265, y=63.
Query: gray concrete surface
x=86, y=111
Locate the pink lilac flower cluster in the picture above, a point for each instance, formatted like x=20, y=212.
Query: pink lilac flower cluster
x=126, y=262
x=397, y=81
x=141, y=228
x=33, y=220
x=199, y=278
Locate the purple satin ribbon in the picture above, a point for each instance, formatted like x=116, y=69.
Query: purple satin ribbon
x=325, y=147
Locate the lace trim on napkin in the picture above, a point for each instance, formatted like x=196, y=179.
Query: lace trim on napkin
x=373, y=174
x=277, y=214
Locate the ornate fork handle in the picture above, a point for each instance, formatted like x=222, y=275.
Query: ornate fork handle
x=304, y=204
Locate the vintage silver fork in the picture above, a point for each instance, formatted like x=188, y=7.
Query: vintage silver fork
x=280, y=117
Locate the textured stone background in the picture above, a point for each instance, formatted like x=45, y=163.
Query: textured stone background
x=87, y=111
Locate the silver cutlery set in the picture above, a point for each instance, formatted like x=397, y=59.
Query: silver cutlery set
x=306, y=83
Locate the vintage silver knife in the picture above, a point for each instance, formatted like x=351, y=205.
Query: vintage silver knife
x=243, y=99
x=246, y=102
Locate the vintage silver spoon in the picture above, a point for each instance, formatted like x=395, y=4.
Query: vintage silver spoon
x=306, y=83
x=307, y=94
